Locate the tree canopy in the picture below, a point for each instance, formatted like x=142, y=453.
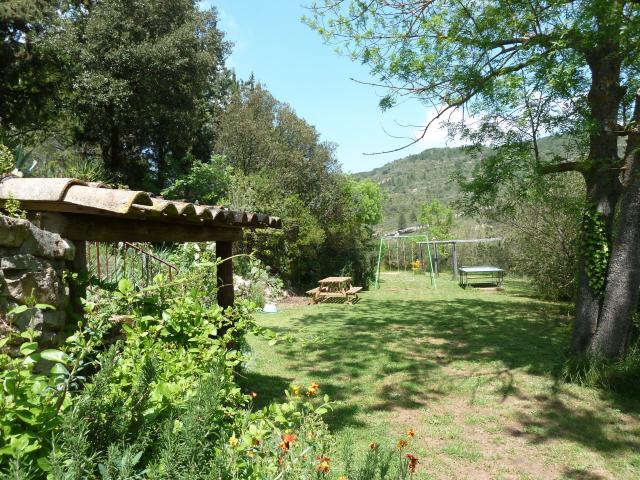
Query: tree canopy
x=438, y=218
x=144, y=79
x=517, y=70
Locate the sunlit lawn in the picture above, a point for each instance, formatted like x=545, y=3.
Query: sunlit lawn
x=470, y=371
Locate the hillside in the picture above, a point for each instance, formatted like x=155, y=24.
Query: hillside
x=411, y=181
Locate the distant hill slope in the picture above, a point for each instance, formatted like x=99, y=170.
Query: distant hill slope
x=411, y=181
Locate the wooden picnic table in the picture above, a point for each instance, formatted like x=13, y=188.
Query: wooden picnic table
x=334, y=287
x=334, y=284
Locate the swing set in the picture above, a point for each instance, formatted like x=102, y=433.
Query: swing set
x=418, y=244
x=385, y=250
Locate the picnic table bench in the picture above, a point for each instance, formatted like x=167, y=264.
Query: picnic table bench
x=494, y=275
x=338, y=287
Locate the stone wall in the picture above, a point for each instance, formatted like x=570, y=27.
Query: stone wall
x=32, y=265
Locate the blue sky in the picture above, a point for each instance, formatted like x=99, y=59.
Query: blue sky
x=292, y=61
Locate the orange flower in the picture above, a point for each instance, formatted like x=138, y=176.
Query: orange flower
x=254, y=394
x=373, y=446
x=323, y=465
x=286, y=442
x=280, y=461
x=401, y=444
x=313, y=389
x=413, y=462
x=411, y=433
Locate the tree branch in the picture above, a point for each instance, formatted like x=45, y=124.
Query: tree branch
x=563, y=167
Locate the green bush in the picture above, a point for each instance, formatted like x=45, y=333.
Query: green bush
x=162, y=402
x=7, y=162
x=32, y=402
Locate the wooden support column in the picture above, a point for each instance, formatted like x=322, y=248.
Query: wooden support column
x=78, y=286
x=224, y=251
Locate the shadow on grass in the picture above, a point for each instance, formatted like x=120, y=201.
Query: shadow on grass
x=410, y=351
x=587, y=427
x=581, y=474
x=270, y=389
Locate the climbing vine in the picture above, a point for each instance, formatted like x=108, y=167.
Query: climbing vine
x=595, y=248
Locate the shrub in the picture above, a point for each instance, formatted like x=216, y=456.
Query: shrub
x=164, y=402
x=7, y=162
x=32, y=402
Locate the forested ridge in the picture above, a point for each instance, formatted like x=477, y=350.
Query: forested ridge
x=411, y=181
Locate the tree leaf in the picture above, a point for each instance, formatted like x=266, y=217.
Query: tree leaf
x=28, y=348
x=55, y=356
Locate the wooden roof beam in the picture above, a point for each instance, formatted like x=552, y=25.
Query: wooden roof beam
x=97, y=228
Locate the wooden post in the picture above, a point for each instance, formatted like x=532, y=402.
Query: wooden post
x=455, y=262
x=224, y=251
x=78, y=286
x=404, y=260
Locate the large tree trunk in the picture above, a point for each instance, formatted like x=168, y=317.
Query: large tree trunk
x=602, y=177
x=112, y=151
x=623, y=278
x=603, y=189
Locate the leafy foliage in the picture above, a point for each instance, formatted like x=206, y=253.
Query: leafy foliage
x=206, y=182
x=13, y=208
x=30, y=82
x=160, y=402
x=142, y=78
x=32, y=401
x=7, y=163
x=282, y=168
x=439, y=218
x=595, y=247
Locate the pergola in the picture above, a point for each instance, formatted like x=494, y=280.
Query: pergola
x=81, y=212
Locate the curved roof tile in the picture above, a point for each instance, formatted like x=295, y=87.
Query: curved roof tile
x=75, y=196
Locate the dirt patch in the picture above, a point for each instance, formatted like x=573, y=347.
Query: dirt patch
x=293, y=301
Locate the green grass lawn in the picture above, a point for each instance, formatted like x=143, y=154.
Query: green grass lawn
x=470, y=371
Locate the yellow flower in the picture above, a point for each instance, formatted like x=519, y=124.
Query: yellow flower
x=233, y=441
x=342, y=477
x=411, y=433
x=296, y=390
x=401, y=444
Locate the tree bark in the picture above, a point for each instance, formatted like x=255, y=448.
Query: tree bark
x=623, y=279
x=112, y=151
x=603, y=192
x=602, y=176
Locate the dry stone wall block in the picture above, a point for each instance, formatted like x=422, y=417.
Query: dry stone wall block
x=32, y=265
